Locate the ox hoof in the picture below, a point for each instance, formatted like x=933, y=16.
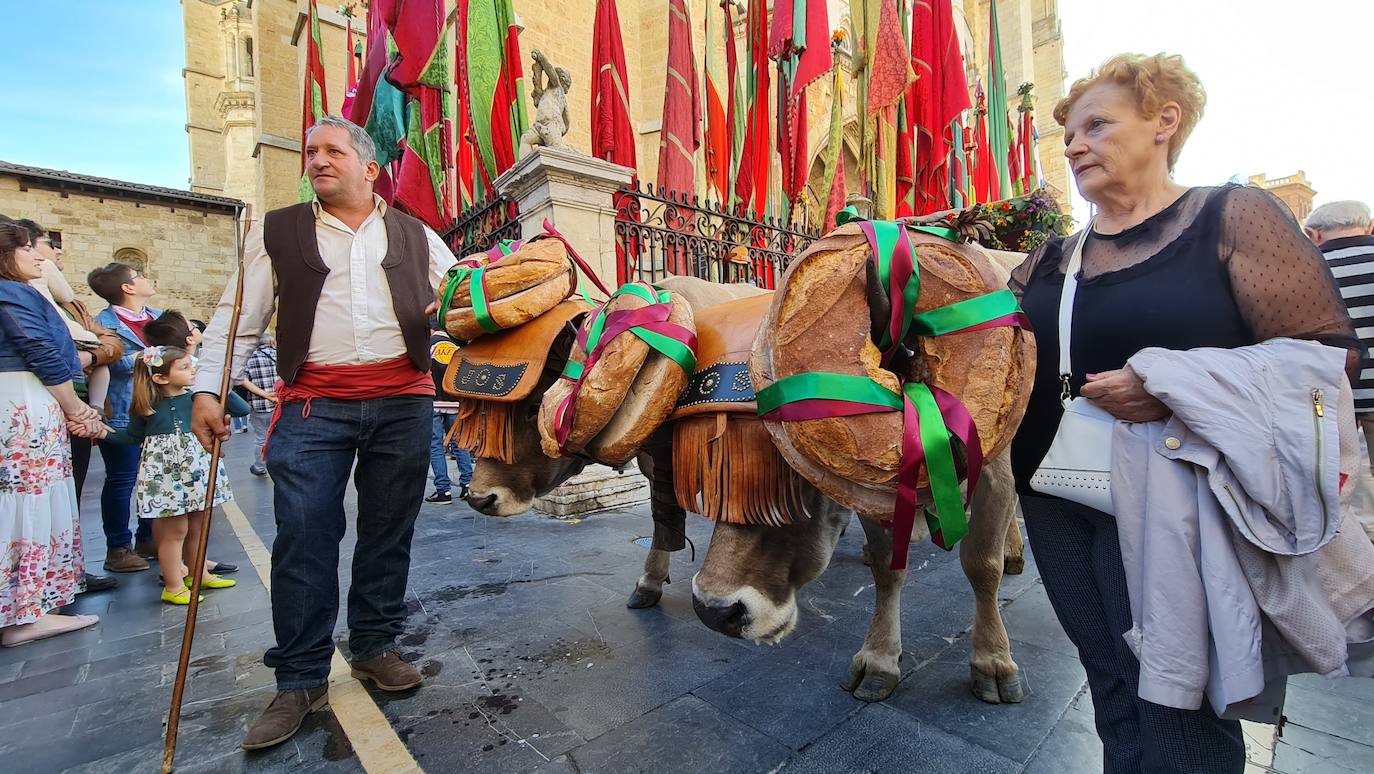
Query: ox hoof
x=876, y=687
x=996, y=690
x=1014, y=565
x=870, y=682
x=642, y=598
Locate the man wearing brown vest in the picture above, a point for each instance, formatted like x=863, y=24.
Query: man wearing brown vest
x=355, y=278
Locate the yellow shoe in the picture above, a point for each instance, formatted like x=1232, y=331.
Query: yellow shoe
x=215, y=582
x=183, y=598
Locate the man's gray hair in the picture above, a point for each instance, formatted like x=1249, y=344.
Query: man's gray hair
x=1334, y=216
x=357, y=136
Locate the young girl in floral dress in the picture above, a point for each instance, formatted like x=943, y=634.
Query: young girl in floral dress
x=174, y=469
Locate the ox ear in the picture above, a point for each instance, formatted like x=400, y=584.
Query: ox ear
x=562, y=345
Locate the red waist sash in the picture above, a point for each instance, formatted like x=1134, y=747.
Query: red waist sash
x=389, y=378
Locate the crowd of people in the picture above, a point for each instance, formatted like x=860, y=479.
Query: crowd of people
x=120, y=381
x=1159, y=266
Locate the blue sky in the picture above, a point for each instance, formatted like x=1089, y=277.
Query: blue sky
x=95, y=87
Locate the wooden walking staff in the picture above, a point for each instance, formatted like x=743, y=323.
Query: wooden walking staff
x=242, y=220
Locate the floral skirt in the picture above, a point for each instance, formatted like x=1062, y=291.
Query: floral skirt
x=173, y=475
x=40, y=532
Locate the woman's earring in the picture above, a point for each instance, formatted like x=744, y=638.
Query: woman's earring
x=1159, y=139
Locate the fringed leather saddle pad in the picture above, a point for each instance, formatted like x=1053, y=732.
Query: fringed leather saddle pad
x=725, y=465
x=494, y=372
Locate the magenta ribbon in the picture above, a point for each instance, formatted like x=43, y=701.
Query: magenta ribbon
x=552, y=233
x=651, y=318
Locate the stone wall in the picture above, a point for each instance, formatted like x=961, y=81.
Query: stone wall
x=188, y=252
x=1293, y=190
x=1050, y=87
x=244, y=72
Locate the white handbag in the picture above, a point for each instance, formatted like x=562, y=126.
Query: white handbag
x=1078, y=466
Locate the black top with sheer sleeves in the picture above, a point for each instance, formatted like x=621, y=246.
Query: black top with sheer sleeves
x=1220, y=267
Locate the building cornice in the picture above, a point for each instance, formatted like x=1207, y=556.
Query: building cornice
x=276, y=141
x=89, y=185
x=232, y=100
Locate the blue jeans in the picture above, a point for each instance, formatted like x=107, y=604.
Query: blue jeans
x=121, y=469
x=438, y=462
x=309, y=459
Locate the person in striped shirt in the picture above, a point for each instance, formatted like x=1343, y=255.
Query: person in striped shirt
x=1342, y=231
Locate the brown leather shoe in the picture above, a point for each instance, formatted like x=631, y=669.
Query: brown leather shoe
x=123, y=559
x=388, y=671
x=146, y=550
x=283, y=717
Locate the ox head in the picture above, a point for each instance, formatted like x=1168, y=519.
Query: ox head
x=747, y=586
x=508, y=488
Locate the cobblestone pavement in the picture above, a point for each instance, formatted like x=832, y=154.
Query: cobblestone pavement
x=534, y=664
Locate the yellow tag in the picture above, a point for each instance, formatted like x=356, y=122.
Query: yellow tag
x=443, y=352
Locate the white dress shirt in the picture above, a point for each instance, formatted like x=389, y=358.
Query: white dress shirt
x=354, y=320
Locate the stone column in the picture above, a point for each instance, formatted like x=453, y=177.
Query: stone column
x=574, y=192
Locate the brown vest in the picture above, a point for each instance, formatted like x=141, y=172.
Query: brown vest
x=289, y=236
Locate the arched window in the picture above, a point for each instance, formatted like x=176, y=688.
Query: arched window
x=248, y=58
x=132, y=256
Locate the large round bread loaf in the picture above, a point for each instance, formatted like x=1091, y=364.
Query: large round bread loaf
x=604, y=385
x=519, y=287
x=624, y=397
x=651, y=398
x=820, y=321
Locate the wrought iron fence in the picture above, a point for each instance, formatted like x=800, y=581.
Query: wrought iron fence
x=659, y=233
x=480, y=227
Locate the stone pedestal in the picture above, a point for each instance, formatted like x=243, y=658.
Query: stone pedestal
x=598, y=488
x=573, y=191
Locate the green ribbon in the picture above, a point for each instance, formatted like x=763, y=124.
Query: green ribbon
x=667, y=346
x=480, y=310
x=820, y=385
x=966, y=314
x=948, y=517
x=851, y=214
x=889, y=237
x=450, y=287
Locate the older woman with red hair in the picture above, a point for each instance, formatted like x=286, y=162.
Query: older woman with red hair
x=1163, y=265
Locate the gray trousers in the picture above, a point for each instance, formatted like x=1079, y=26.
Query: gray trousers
x=1079, y=557
x=259, y=421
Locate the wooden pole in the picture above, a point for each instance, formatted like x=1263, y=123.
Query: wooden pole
x=242, y=220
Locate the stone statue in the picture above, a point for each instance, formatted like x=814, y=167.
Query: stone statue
x=551, y=87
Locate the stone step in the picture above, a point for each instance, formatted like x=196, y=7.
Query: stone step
x=598, y=488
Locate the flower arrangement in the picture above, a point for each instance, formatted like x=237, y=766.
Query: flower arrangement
x=1026, y=222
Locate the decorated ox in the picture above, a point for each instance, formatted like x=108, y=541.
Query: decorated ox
x=509, y=474
x=748, y=582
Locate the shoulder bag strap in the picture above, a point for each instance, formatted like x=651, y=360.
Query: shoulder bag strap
x=1066, y=299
